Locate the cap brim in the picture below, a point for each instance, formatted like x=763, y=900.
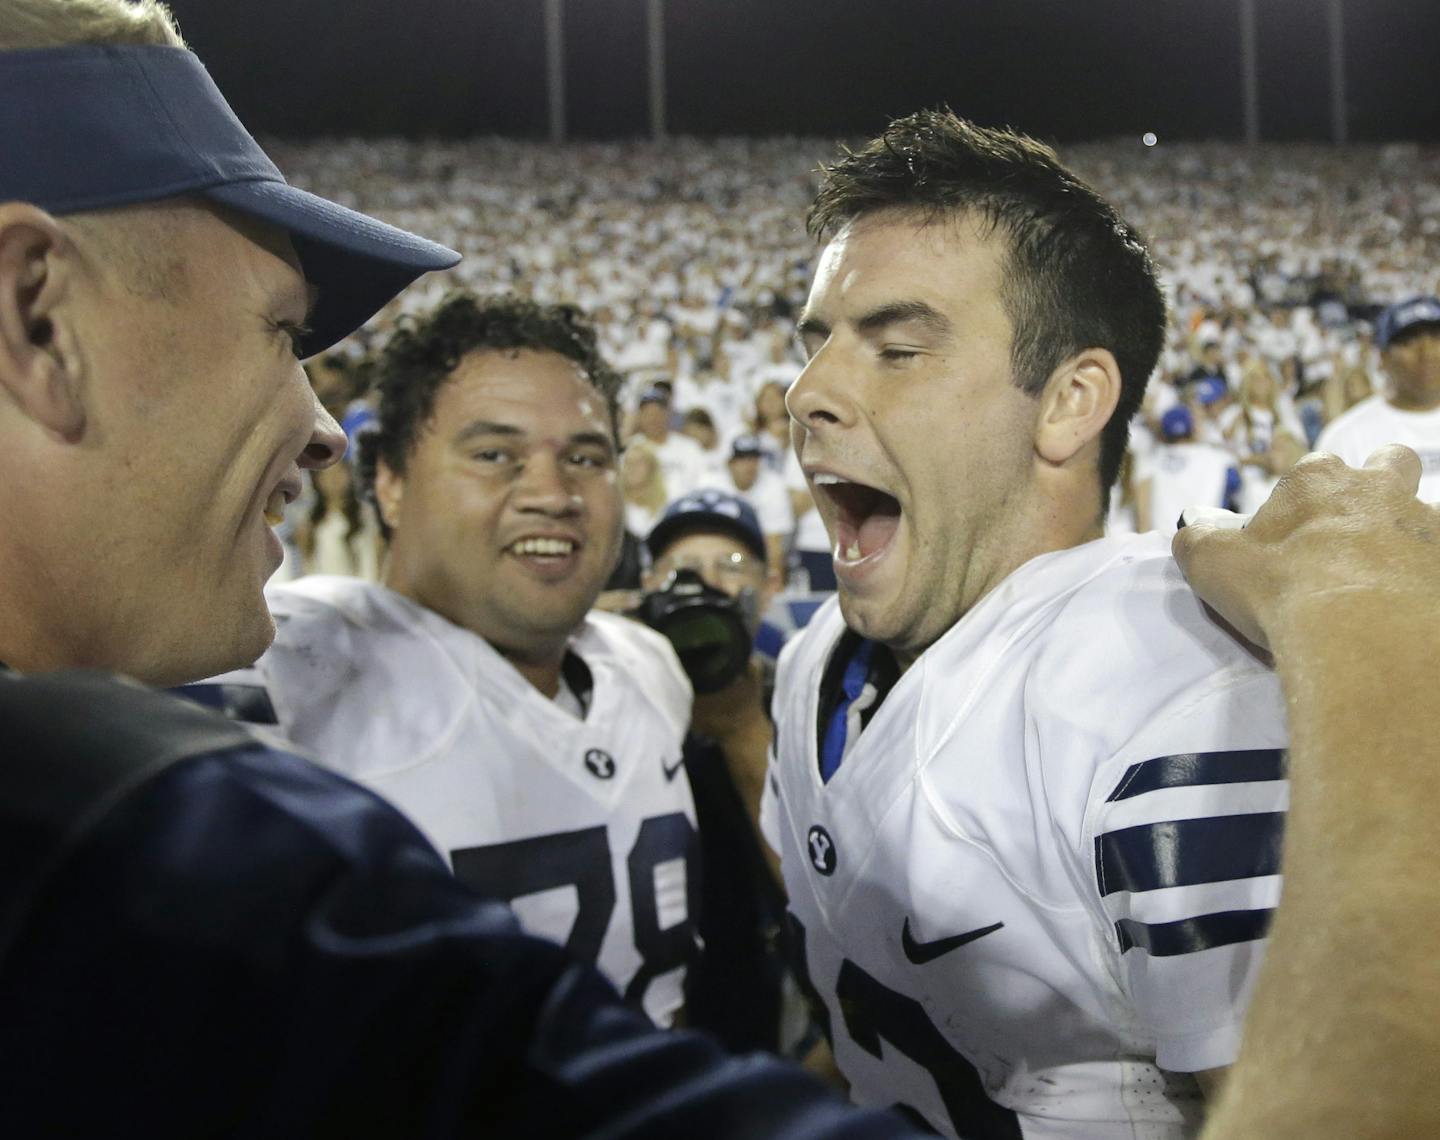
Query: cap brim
x=668, y=529
x=356, y=263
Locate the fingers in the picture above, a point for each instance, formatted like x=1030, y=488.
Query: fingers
x=1225, y=567
x=1399, y=461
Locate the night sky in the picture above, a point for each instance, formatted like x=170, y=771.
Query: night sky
x=1061, y=69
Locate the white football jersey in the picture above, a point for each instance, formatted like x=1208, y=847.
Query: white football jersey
x=1033, y=896
x=587, y=826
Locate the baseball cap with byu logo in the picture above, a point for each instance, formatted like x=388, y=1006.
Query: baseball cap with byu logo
x=708, y=510
x=1403, y=316
x=90, y=127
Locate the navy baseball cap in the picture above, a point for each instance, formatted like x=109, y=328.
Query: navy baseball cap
x=708, y=510
x=95, y=126
x=654, y=395
x=746, y=447
x=1404, y=316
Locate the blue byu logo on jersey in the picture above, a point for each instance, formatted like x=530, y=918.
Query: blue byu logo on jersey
x=822, y=850
x=600, y=763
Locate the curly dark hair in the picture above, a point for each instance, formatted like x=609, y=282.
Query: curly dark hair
x=423, y=352
x=1077, y=275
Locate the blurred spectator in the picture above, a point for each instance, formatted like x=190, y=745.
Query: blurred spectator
x=765, y=491
x=1264, y=432
x=1408, y=336
x=642, y=483
x=1346, y=386
x=682, y=462
x=699, y=425
x=1209, y=401
x=339, y=534
x=1183, y=472
x=770, y=423
x=1209, y=363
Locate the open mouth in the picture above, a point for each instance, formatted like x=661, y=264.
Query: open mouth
x=866, y=518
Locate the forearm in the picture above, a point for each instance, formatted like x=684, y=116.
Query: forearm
x=1352, y=980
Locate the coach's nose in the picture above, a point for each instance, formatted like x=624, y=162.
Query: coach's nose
x=327, y=442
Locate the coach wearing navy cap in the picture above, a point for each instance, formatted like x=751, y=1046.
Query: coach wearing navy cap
x=159, y=282
x=201, y=935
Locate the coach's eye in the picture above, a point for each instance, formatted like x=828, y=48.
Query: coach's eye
x=295, y=332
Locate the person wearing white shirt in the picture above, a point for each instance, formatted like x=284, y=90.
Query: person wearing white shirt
x=1408, y=336
x=1182, y=472
x=682, y=460
x=765, y=491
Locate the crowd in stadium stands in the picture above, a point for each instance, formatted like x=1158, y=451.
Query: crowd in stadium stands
x=692, y=259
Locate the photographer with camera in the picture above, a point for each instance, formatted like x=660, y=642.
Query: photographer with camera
x=708, y=585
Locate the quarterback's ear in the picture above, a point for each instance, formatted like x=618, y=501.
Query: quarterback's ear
x=1076, y=404
x=389, y=490
x=39, y=361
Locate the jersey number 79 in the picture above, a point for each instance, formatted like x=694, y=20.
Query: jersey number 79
x=582, y=859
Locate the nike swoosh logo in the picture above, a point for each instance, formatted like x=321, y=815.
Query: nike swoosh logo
x=669, y=771
x=922, y=952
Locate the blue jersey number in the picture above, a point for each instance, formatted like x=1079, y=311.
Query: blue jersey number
x=874, y=1013
x=582, y=859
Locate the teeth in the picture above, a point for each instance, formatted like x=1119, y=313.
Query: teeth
x=824, y=478
x=275, y=508
x=543, y=546
x=853, y=554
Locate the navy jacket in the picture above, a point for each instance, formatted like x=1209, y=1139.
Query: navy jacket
x=202, y=935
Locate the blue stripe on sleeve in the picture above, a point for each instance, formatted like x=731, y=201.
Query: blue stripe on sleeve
x=1204, y=932
x=1189, y=769
x=1186, y=852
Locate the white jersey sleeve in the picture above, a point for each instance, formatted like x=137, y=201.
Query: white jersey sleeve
x=1185, y=831
x=1177, y=831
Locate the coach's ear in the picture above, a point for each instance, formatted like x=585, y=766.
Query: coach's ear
x=39, y=369
x=1076, y=404
x=389, y=490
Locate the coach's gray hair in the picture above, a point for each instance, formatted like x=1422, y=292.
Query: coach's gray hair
x=60, y=23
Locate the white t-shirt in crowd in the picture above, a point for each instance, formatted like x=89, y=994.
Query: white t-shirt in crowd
x=682, y=464
x=770, y=498
x=1373, y=423
x=1186, y=475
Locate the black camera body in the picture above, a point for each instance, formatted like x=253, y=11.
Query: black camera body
x=712, y=633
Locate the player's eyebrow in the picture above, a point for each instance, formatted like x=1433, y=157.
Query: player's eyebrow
x=476, y=428
x=902, y=312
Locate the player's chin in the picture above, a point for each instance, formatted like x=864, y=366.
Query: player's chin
x=870, y=616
